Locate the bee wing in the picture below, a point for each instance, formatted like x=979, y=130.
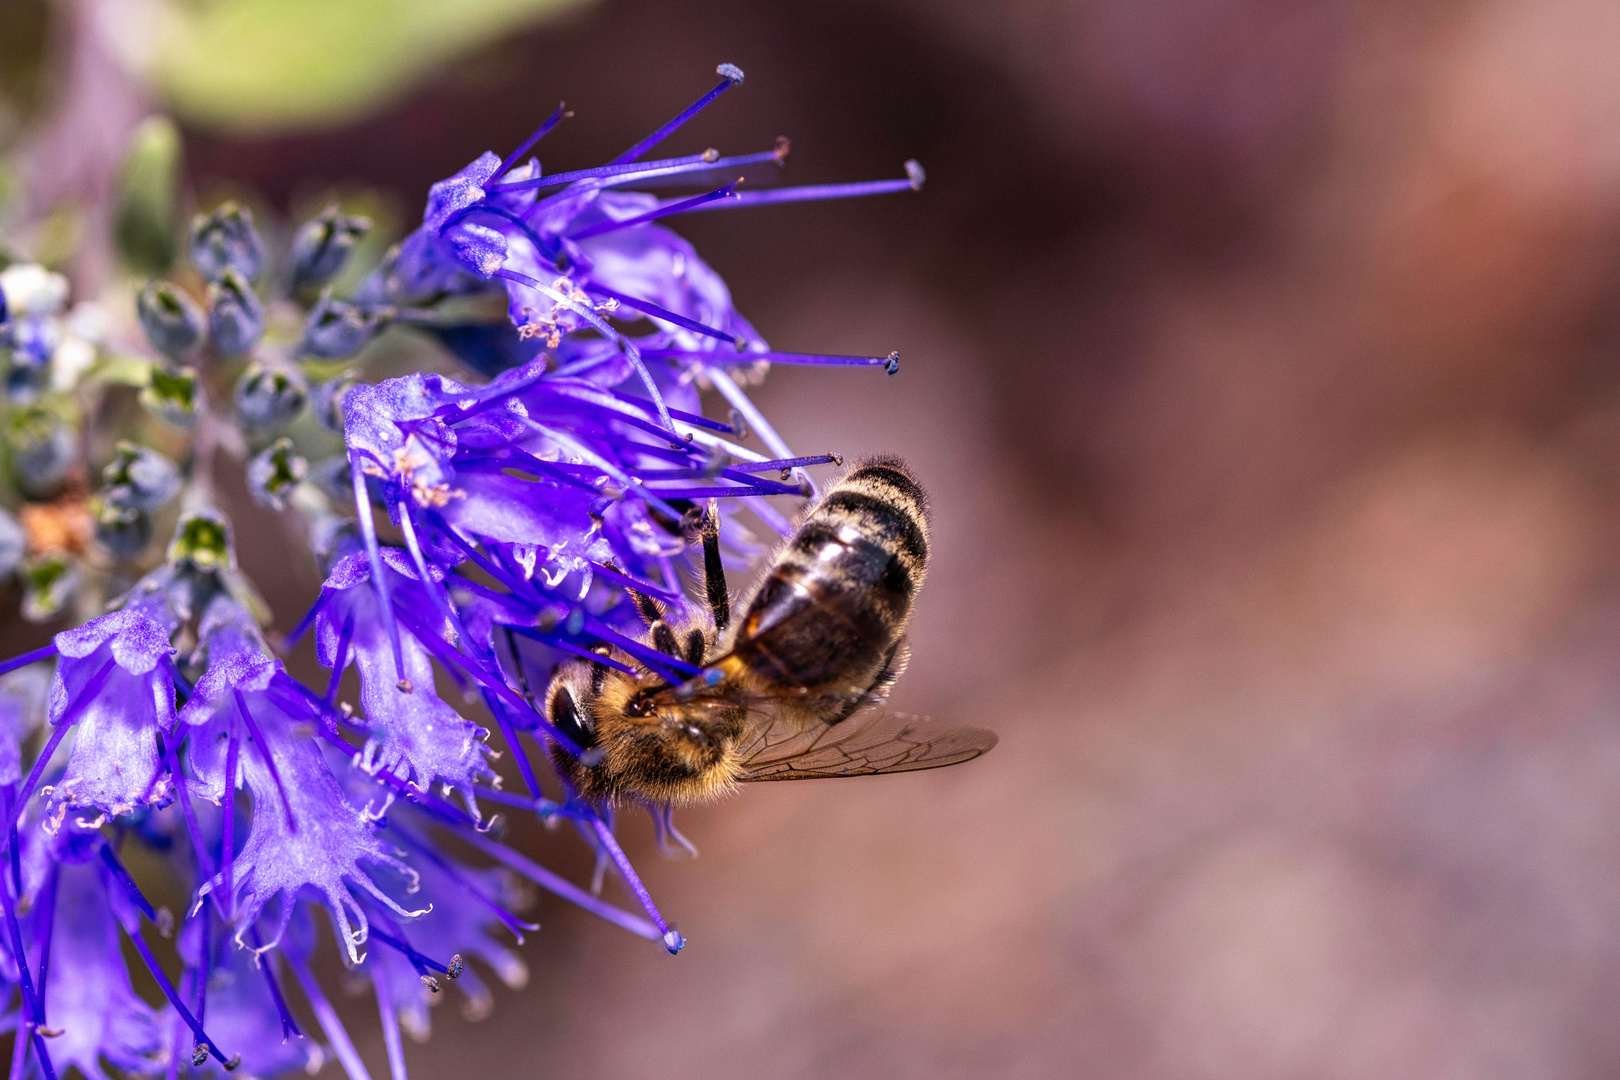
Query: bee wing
x=866, y=744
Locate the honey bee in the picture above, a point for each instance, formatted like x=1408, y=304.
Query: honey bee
x=788, y=693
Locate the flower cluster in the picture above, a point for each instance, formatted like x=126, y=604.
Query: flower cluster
x=499, y=524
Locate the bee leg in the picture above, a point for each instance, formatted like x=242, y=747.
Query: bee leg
x=714, y=574
x=663, y=818
x=648, y=608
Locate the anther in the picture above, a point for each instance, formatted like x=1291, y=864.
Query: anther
x=711, y=155
x=49, y=1033
x=431, y=983
x=783, y=147
x=892, y=364
x=738, y=424
x=404, y=686
x=348, y=710
x=457, y=965
x=730, y=71
x=837, y=459
x=199, y=1054
x=234, y=1064
x=674, y=942
x=165, y=922
x=914, y=173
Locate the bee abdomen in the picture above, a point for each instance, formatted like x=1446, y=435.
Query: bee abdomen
x=840, y=593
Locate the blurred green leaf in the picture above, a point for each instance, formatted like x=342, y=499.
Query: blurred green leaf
x=146, y=197
x=123, y=370
x=281, y=64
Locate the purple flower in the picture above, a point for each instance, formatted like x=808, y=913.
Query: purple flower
x=415, y=737
x=410, y=963
x=88, y=997
x=246, y=1008
x=304, y=833
x=22, y=708
x=112, y=684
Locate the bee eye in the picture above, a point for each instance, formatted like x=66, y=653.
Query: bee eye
x=565, y=717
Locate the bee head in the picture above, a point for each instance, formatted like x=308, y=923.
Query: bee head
x=638, y=740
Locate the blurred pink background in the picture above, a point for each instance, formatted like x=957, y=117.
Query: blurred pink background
x=1261, y=358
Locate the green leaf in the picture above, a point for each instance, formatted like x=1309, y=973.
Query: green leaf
x=286, y=64
x=146, y=198
x=124, y=370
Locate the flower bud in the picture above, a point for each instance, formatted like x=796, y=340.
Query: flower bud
x=32, y=339
x=123, y=529
x=235, y=315
x=43, y=449
x=25, y=382
x=268, y=397
x=202, y=540
x=226, y=240
x=144, y=478
x=332, y=476
x=337, y=329
x=172, y=395
x=171, y=319
x=323, y=245
x=272, y=474
x=327, y=400
x=49, y=583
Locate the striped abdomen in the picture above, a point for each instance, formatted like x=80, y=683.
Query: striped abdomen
x=828, y=615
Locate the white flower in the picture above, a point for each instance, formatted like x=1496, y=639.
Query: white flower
x=30, y=289
x=71, y=359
